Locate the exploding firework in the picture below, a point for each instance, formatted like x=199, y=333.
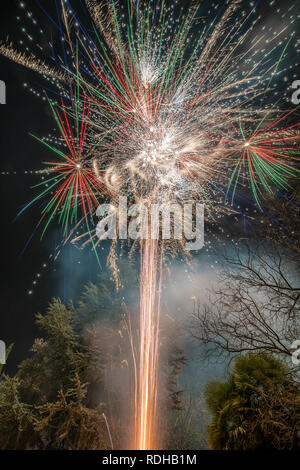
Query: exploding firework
x=158, y=105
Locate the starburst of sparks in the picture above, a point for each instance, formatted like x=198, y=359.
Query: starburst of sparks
x=163, y=109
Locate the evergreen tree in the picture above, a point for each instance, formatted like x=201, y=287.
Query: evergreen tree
x=258, y=407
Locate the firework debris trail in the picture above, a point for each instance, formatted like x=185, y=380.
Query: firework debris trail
x=158, y=104
x=150, y=291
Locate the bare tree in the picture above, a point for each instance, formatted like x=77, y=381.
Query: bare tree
x=255, y=306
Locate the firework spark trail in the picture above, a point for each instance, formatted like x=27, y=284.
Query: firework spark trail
x=150, y=287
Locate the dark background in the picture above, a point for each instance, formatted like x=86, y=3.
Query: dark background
x=19, y=153
x=21, y=156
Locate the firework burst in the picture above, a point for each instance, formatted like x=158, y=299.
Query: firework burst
x=156, y=109
x=74, y=187
x=159, y=105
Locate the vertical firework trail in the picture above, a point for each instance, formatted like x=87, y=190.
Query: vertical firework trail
x=150, y=288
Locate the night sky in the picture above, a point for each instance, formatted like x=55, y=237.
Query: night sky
x=20, y=115
x=20, y=153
